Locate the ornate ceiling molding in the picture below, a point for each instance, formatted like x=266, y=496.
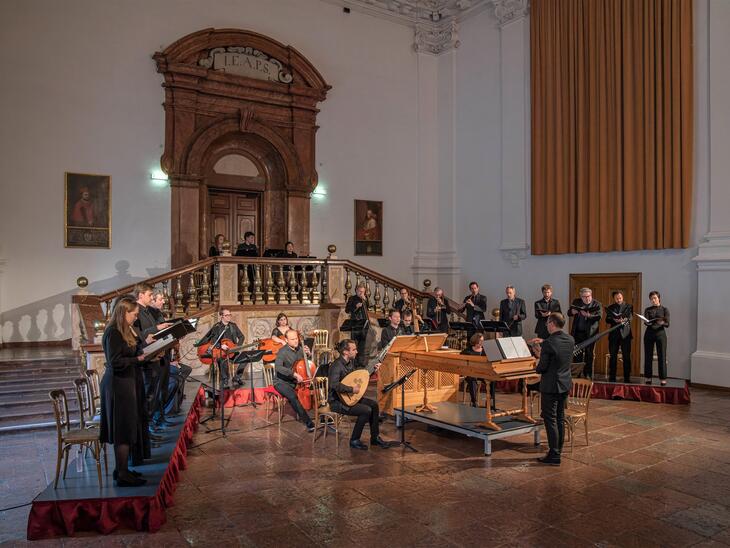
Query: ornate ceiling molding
x=436, y=39
x=412, y=12
x=507, y=11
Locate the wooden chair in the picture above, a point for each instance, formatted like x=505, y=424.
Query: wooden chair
x=619, y=362
x=321, y=343
x=271, y=395
x=87, y=414
x=95, y=388
x=579, y=399
x=324, y=417
x=68, y=437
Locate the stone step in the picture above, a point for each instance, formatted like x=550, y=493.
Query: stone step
x=38, y=412
x=34, y=391
x=31, y=381
x=38, y=372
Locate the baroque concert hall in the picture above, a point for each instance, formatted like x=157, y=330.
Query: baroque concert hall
x=365, y=273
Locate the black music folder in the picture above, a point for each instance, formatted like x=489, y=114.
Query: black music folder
x=178, y=329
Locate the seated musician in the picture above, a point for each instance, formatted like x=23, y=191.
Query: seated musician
x=438, y=310
x=281, y=329
x=287, y=379
x=406, y=325
x=366, y=410
x=476, y=348
x=232, y=333
x=392, y=330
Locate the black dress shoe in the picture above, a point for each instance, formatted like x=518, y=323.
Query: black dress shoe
x=357, y=444
x=379, y=442
x=310, y=427
x=125, y=479
x=134, y=473
x=550, y=459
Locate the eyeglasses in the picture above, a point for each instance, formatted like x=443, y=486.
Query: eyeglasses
x=227, y=315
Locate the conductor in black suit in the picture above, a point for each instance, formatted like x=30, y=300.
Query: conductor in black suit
x=357, y=308
x=512, y=310
x=621, y=338
x=556, y=355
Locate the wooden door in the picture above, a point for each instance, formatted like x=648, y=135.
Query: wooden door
x=603, y=285
x=233, y=214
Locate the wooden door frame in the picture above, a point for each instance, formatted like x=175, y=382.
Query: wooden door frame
x=573, y=289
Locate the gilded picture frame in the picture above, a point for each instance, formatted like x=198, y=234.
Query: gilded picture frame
x=368, y=227
x=87, y=212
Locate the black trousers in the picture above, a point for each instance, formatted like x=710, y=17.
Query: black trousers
x=360, y=339
x=163, y=384
x=287, y=390
x=587, y=353
x=614, y=344
x=652, y=338
x=553, y=413
x=152, y=373
x=473, y=385
x=366, y=410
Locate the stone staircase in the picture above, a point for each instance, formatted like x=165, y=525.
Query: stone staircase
x=24, y=385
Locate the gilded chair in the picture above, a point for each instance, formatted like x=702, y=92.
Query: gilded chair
x=321, y=343
x=272, y=398
x=324, y=417
x=67, y=437
x=576, y=411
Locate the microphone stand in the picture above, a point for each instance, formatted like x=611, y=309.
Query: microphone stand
x=402, y=383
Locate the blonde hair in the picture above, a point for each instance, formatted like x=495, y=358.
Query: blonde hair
x=119, y=321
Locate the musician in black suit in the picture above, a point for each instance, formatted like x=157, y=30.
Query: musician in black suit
x=512, y=310
x=437, y=310
x=248, y=247
x=475, y=305
x=286, y=379
x=407, y=323
x=405, y=302
x=556, y=354
x=366, y=410
x=621, y=338
x=233, y=333
x=357, y=308
x=393, y=329
x=155, y=308
x=586, y=313
x=146, y=325
x=655, y=335
x=543, y=308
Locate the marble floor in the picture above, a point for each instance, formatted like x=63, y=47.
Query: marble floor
x=654, y=475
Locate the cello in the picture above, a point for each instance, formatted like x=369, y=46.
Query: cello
x=306, y=369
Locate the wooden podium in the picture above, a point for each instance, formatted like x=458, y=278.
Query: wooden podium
x=441, y=386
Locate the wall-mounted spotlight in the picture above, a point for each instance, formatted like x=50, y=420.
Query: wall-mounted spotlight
x=158, y=177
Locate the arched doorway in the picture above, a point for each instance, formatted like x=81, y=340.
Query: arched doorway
x=237, y=100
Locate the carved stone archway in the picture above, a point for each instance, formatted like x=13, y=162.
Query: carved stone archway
x=231, y=91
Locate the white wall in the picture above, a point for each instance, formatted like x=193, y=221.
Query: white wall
x=80, y=93
x=478, y=185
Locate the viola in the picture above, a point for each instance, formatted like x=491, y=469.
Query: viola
x=216, y=353
x=306, y=369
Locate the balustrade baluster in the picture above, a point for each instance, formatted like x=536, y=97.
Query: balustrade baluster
x=348, y=284
x=216, y=283
x=205, y=288
x=179, y=307
x=386, y=299
x=258, y=296
x=324, y=277
x=296, y=295
x=269, y=293
x=368, y=292
x=166, y=311
x=192, y=293
x=304, y=295
x=280, y=286
x=107, y=311
x=376, y=297
x=315, y=291
x=290, y=287
x=245, y=294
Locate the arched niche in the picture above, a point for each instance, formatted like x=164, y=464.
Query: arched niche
x=230, y=93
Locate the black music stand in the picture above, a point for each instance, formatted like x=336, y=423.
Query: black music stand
x=354, y=326
x=249, y=357
x=402, y=383
x=221, y=391
x=494, y=327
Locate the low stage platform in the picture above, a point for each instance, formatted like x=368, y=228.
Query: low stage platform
x=79, y=504
x=463, y=419
x=676, y=391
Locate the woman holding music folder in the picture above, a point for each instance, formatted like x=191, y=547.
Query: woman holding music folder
x=657, y=320
x=120, y=423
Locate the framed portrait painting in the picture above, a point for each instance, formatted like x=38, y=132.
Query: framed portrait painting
x=87, y=211
x=368, y=227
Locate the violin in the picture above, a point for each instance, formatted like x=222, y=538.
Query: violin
x=216, y=353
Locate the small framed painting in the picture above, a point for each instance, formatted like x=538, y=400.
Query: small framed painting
x=368, y=227
x=87, y=210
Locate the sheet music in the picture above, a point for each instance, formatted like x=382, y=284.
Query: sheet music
x=644, y=319
x=159, y=345
x=507, y=345
x=523, y=351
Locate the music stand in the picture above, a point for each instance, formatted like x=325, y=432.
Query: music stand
x=221, y=393
x=249, y=357
x=490, y=326
x=402, y=383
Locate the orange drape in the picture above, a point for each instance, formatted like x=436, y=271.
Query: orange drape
x=612, y=124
